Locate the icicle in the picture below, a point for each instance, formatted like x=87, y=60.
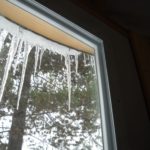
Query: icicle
x=69, y=83
x=27, y=50
x=3, y=35
x=41, y=55
x=76, y=63
x=11, y=54
x=84, y=60
x=36, y=59
x=50, y=52
x=93, y=63
x=89, y=57
x=61, y=57
x=18, y=57
x=68, y=67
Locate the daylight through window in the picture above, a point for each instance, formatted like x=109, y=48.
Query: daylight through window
x=48, y=94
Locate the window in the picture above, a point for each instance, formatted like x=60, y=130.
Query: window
x=49, y=72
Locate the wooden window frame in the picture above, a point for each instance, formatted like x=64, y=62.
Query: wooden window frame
x=42, y=27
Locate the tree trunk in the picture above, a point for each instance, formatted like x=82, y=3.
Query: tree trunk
x=18, y=122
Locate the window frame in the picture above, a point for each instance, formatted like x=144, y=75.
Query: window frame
x=36, y=9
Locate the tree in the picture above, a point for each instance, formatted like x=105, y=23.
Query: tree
x=43, y=113
x=19, y=115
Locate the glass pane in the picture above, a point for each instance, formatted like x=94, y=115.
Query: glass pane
x=48, y=94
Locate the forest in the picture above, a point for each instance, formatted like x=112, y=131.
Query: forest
x=48, y=94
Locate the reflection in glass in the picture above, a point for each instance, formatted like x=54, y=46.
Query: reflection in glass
x=48, y=94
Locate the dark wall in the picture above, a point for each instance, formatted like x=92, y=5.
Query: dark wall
x=141, y=49
x=130, y=115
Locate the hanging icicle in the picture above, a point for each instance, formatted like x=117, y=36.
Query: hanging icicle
x=41, y=55
x=68, y=70
x=92, y=60
x=84, y=59
x=11, y=54
x=76, y=63
x=36, y=58
x=18, y=57
x=69, y=83
x=3, y=35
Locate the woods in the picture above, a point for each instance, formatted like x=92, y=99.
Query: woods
x=45, y=118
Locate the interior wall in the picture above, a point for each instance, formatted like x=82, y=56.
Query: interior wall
x=130, y=115
x=141, y=49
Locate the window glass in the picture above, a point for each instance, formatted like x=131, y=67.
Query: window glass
x=48, y=94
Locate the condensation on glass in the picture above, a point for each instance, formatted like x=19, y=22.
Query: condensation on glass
x=48, y=94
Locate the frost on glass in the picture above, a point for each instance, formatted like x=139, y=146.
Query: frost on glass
x=48, y=94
